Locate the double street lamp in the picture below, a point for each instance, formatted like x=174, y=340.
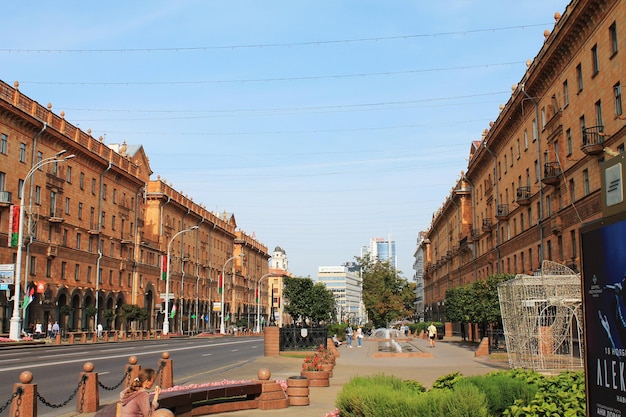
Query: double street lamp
x=222, y=325
x=16, y=320
x=166, y=319
x=258, y=301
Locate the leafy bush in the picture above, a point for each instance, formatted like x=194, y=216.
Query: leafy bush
x=447, y=381
x=501, y=390
x=512, y=393
x=562, y=395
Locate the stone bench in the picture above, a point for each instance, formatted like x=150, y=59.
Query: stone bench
x=212, y=399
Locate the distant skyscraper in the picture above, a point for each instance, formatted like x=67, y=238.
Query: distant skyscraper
x=381, y=249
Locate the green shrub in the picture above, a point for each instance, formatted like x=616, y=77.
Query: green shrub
x=562, y=395
x=447, y=381
x=465, y=400
x=502, y=390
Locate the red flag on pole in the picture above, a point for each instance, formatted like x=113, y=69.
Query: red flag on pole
x=220, y=283
x=164, y=268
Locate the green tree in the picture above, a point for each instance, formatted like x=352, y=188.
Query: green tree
x=477, y=302
x=304, y=300
x=132, y=312
x=386, y=295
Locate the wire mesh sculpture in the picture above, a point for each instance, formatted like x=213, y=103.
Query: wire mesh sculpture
x=542, y=319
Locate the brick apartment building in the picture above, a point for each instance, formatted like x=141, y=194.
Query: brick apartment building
x=97, y=230
x=534, y=177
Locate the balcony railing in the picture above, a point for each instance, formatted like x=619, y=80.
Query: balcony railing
x=593, y=140
x=487, y=223
x=551, y=173
x=502, y=212
x=523, y=196
x=5, y=198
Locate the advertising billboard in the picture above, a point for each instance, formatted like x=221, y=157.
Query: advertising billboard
x=604, y=289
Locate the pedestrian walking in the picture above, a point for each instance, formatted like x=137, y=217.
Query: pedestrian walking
x=432, y=334
x=359, y=336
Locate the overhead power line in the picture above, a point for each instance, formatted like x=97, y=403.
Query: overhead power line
x=267, y=45
x=255, y=80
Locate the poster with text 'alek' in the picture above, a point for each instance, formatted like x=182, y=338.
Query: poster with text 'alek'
x=604, y=286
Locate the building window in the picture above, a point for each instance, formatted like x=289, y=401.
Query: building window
x=93, y=186
x=574, y=244
x=598, y=106
x=579, y=77
x=582, y=124
x=110, y=277
x=80, y=211
x=617, y=94
x=67, y=205
x=39, y=158
x=4, y=141
x=48, y=268
x=537, y=171
x=613, y=36
x=595, y=64
x=565, y=94
x=22, y=152
x=543, y=118
x=104, y=191
x=76, y=272
x=38, y=195
x=69, y=174
x=78, y=236
x=519, y=152
x=572, y=190
x=81, y=180
x=114, y=196
x=568, y=140
x=525, y=139
x=33, y=266
x=88, y=273
x=64, y=237
x=63, y=269
x=102, y=219
x=3, y=177
x=535, y=130
x=586, y=188
x=548, y=206
x=112, y=222
x=20, y=185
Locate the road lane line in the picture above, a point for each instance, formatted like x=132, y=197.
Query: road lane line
x=41, y=365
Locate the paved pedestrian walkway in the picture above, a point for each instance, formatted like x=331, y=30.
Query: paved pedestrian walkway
x=449, y=355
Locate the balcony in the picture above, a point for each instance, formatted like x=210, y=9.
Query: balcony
x=476, y=234
x=55, y=217
x=523, y=196
x=487, y=224
x=502, y=212
x=593, y=140
x=52, y=251
x=551, y=173
x=5, y=198
x=126, y=239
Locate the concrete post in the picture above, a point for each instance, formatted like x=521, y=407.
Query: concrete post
x=166, y=371
x=24, y=404
x=131, y=370
x=88, y=397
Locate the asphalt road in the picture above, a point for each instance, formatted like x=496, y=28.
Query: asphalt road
x=56, y=369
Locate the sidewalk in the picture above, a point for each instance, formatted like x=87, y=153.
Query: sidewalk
x=449, y=355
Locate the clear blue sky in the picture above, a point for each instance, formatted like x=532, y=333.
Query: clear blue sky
x=320, y=124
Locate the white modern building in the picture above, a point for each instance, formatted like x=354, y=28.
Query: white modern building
x=347, y=287
x=381, y=249
x=418, y=267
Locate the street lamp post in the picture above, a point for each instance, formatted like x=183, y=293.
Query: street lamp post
x=258, y=302
x=166, y=319
x=222, y=325
x=16, y=320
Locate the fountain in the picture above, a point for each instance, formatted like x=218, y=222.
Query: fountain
x=394, y=343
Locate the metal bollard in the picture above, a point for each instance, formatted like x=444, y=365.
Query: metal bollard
x=132, y=370
x=166, y=371
x=24, y=403
x=88, y=398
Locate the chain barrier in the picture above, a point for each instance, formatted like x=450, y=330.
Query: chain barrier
x=159, y=375
x=127, y=373
x=66, y=402
x=19, y=391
